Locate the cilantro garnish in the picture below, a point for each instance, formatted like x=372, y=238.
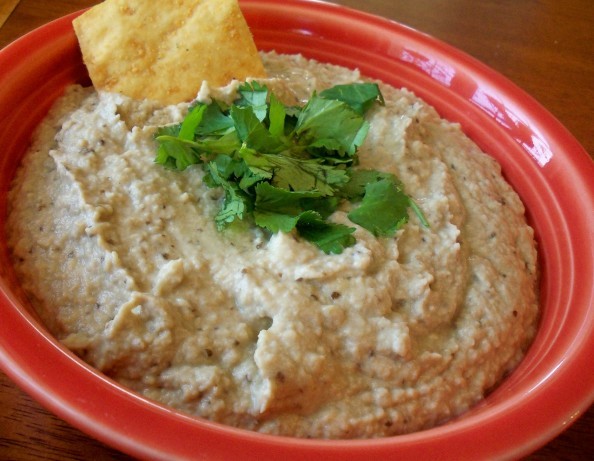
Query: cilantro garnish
x=289, y=168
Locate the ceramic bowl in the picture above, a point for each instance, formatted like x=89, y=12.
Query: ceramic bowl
x=551, y=172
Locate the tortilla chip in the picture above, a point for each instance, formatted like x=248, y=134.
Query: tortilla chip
x=165, y=50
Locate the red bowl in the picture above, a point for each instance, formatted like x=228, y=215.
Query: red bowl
x=551, y=172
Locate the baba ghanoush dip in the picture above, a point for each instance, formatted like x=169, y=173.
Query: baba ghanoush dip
x=124, y=264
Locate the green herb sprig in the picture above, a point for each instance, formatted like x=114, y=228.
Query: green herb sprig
x=288, y=167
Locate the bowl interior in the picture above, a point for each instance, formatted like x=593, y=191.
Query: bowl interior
x=548, y=168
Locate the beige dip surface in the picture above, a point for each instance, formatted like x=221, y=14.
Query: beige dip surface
x=123, y=262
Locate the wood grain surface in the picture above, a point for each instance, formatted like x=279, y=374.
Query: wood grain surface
x=544, y=46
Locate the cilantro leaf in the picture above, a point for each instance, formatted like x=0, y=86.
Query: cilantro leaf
x=191, y=122
x=383, y=210
x=252, y=131
x=236, y=203
x=214, y=121
x=395, y=213
x=360, y=97
x=282, y=200
x=178, y=153
x=277, y=116
x=297, y=174
x=175, y=154
x=309, y=174
x=281, y=210
x=329, y=237
x=278, y=209
x=332, y=125
x=254, y=95
x=354, y=190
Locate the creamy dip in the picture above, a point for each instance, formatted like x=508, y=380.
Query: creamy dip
x=122, y=260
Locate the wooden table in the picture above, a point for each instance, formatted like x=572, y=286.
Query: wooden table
x=544, y=46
